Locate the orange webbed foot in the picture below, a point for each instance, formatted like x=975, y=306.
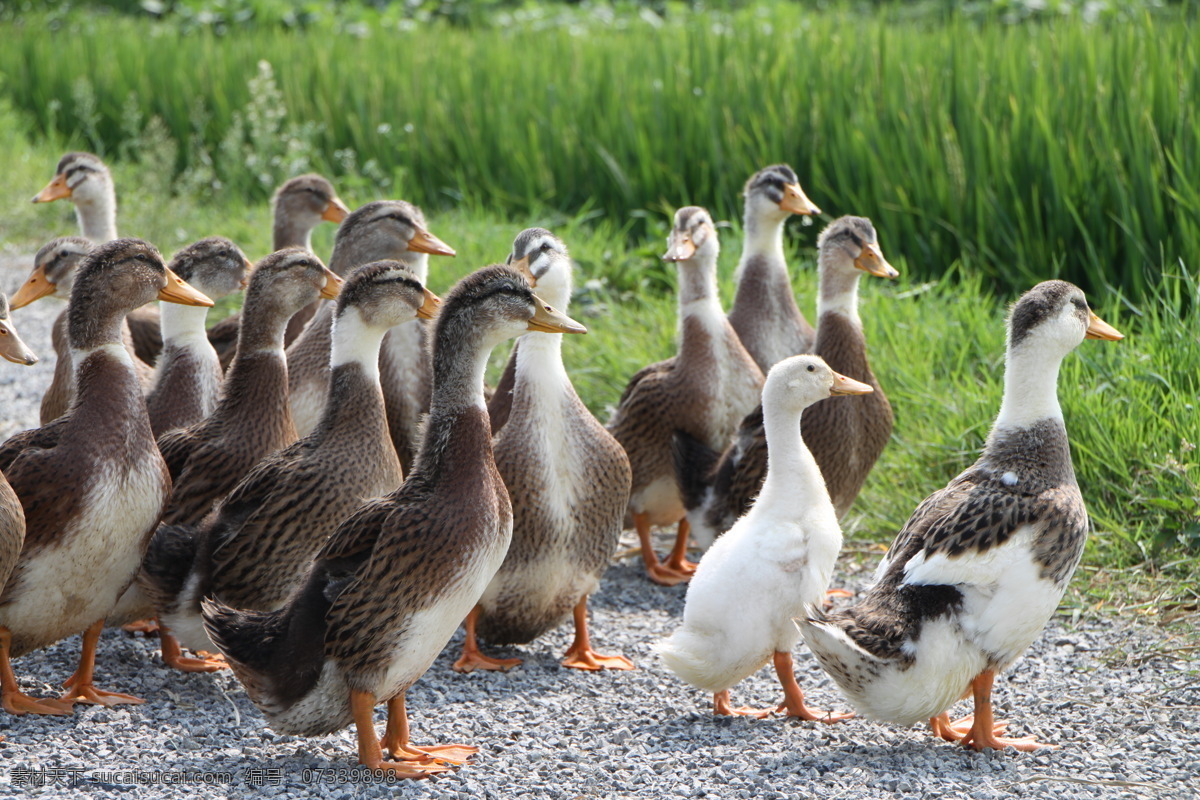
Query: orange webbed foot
x=805, y=712
x=471, y=661
x=18, y=703
x=449, y=753
x=81, y=692
x=589, y=659
x=146, y=627
x=409, y=769
x=203, y=664
x=665, y=576
x=681, y=565
x=980, y=740
x=722, y=708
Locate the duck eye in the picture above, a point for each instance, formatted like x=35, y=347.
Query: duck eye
x=812, y=368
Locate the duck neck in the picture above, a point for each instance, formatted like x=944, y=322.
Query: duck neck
x=458, y=375
x=838, y=287
x=183, y=325
x=290, y=232
x=698, y=303
x=98, y=217
x=356, y=342
x=261, y=331
x=355, y=402
x=792, y=472
x=1030, y=389
x=539, y=359
x=763, y=247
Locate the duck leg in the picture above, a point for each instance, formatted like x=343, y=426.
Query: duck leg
x=793, y=696
x=942, y=727
x=983, y=732
x=79, y=686
x=677, y=560
x=10, y=691
x=472, y=657
x=370, y=754
x=395, y=740
x=661, y=574
x=722, y=708
x=172, y=655
x=581, y=655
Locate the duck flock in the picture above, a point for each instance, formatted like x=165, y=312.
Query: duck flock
x=318, y=491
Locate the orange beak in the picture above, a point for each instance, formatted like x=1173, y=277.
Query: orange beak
x=547, y=320
x=871, y=261
x=1099, y=329
x=249, y=271
x=336, y=211
x=680, y=247
x=35, y=288
x=796, y=201
x=56, y=189
x=180, y=291
x=333, y=285
x=425, y=242
x=521, y=265
x=847, y=386
x=430, y=306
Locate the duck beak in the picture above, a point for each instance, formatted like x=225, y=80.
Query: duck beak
x=333, y=285
x=521, y=265
x=336, y=211
x=180, y=291
x=547, y=320
x=1096, y=329
x=680, y=247
x=425, y=242
x=12, y=348
x=56, y=189
x=871, y=261
x=796, y=201
x=430, y=306
x=35, y=288
x=847, y=386
x=248, y=273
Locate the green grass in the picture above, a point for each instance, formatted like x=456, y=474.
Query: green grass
x=1061, y=148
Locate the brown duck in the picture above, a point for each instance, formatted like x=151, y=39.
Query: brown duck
x=705, y=391
x=251, y=421
x=301, y=204
x=568, y=480
x=85, y=180
x=92, y=483
x=392, y=585
x=188, y=379
x=386, y=229
x=846, y=438
x=255, y=551
x=53, y=275
x=764, y=311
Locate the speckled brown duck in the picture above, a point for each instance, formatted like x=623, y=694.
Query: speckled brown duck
x=982, y=564
x=92, y=483
x=705, y=390
x=846, y=438
x=764, y=311
x=386, y=229
x=85, y=180
x=53, y=275
x=300, y=204
x=188, y=380
x=397, y=578
x=251, y=421
x=255, y=551
x=568, y=480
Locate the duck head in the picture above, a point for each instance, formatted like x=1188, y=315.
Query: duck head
x=81, y=178
x=384, y=294
x=1052, y=319
x=53, y=272
x=693, y=238
x=386, y=229
x=774, y=193
x=307, y=200
x=11, y=347
x=797, y=382
x=850, y=243
x=542, y=258
x=215, y=266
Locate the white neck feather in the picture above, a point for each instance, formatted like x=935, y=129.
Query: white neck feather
x=793, y=477
x=97, y=218
x=539, y=359
x=356, y=341
x=183, y=325
x=1030, y=387
x=838, y=290
x=115, y=350
x=764, y=238
x=418, y=265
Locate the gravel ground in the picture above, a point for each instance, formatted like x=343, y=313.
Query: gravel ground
x=1122, y=707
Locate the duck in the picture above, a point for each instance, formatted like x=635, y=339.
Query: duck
x=12, y=516
x=255, y=550
x=568, y=480
x=846, y=438
x=394, y=581
x=251, y=421
x=92, y=484
x=764, y=312
x=705, y=391
x=977, y=571
x=300, y=205
x=775, y=561
x=188, y=379
x=53, y=275
x=85, y=180
x=384, y=229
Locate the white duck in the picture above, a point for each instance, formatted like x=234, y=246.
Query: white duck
x=975, y=574
x=774, y=562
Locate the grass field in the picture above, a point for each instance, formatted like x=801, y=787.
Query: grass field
x=990, y=156
x=1066, y=147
